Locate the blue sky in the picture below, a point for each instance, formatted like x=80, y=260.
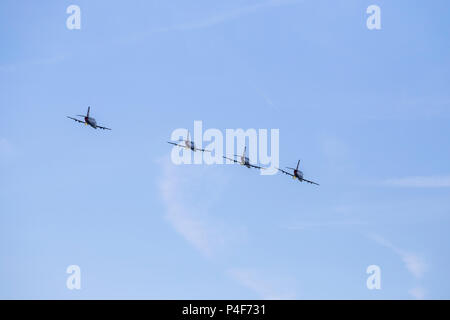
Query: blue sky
x=366, y=111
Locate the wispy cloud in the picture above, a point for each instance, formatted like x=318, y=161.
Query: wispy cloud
x=323, y=224
x=188, y=211
x=420, y=182
x=227, y=16
x=415, y=264
x=418, y=293
x=12, y=67
x=261, y=285
x=210, y=21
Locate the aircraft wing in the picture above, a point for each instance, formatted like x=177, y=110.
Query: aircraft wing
x=285, y=172
x=176, y=144
x=312, y=182
x=77, y=120
x=234, y=160
x=104, y=128
x=202, y=150
x=257, y=167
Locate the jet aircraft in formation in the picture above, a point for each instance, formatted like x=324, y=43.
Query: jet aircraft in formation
x=244, y=160
x=188, y=144
x=297, y=174
x=88, y=120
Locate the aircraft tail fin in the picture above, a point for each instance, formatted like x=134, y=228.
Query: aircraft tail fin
x=89, y=109
x=298, y=163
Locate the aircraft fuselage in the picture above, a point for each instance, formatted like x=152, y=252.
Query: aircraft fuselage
x=190, y=145
x=91, y=121
x=245, y=161
x=298, y=174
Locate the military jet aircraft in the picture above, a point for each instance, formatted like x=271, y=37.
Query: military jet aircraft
x=244, y=161
x=88, y=120
x=297, y=174
x=188, y=144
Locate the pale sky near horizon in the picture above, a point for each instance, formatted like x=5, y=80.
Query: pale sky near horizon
x=367, y=112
